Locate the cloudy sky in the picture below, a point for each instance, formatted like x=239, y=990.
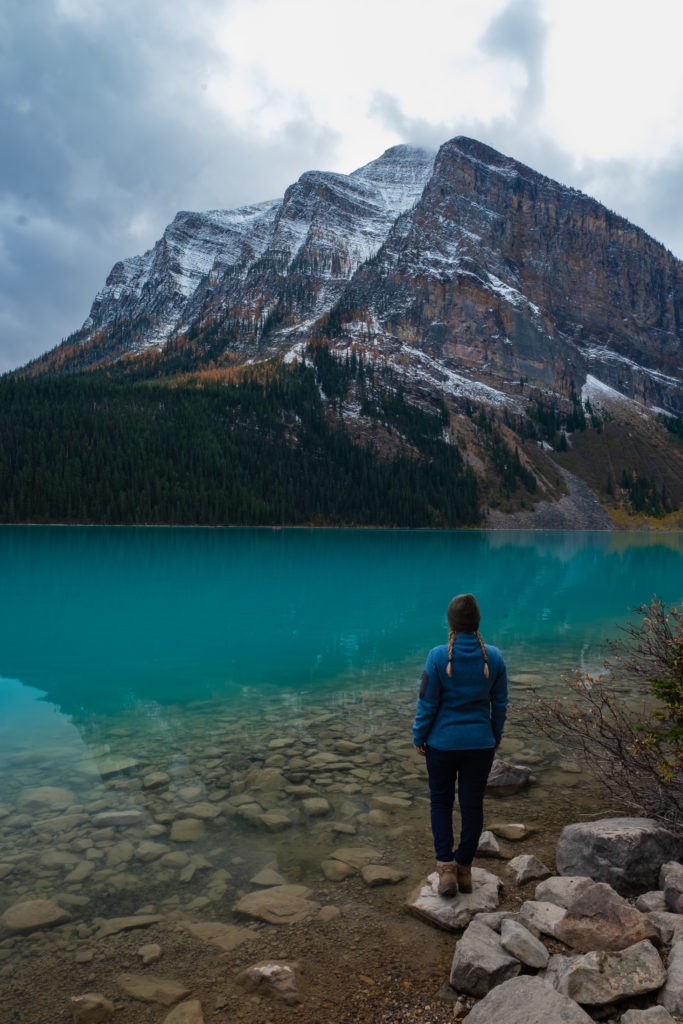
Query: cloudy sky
x=115, y=114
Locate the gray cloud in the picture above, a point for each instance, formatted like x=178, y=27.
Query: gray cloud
x=646, y=194
x=519, y=32
x=105, y=134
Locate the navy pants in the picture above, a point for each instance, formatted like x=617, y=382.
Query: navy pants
x=471, y=769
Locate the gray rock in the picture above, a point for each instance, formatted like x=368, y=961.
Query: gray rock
x=520, y=943
x=378, y=874
x=275, y=978
x=268, y=878
x=597, y=978
x=480, y=962
x=526, y=868
x=455, y=913
x=33, y=916
x=119, y=819
x=540, y=917
x=671, y=996
x=113, y=764
x=150, y=989
x=275, y=821
x=203, y=810
x=562, y=890
x=82, y=871
x=91, y=1008
x=671, y=882
x=526, y=1000
x=488, y=845
x=54, y=859
x=601, y=919
x=120, y=853
x=116, y=925
x=336, y=870
x=60, y=823
x=226, y=936
x=283, y=904
x=155, y=780
x=670, y=926
x=148, y=851
x=316, y=806
x=655, y=1015
x=54, y=797
x=189, y=1012
x=150, y=953
x=356, y=856
x=265, y=780
x=649, y=901
x=512, y=830
x=494, y=918
x=505, y=779
x=627, y=853
x=187, y=830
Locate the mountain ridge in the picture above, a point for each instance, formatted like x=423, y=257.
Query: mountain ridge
x=462, y=276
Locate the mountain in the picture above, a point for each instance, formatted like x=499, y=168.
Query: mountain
x=544, y=324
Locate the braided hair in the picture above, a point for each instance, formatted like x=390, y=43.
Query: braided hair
x=451, y=643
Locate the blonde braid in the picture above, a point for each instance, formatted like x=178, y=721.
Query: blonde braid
x=486, y=657
x=451, y=642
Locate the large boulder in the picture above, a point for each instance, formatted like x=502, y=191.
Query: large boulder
x=627, y=853
x=601, y=919
x=526, y=1000
x=480, y=962
x=597, y=978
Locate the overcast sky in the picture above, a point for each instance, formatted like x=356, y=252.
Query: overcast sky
x=115, y=114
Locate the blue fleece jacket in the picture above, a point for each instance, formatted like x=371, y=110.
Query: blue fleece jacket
x=465, y=711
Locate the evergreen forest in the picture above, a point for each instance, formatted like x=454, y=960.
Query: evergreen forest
x=124, y=445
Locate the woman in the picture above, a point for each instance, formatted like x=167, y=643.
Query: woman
x=458, y=726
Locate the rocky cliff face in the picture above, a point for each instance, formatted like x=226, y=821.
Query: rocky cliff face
x=464, y=277
x=470, y=270
x=504, y=274
x=262, y=266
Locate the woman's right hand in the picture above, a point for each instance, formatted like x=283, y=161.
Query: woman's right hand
x=421, y=750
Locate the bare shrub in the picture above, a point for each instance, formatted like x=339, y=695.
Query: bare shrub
x=633, y=743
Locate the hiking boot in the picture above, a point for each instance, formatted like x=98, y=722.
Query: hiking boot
x=464, y=877
x=448, y=878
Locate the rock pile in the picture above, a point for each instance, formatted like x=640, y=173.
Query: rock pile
x=613, y=951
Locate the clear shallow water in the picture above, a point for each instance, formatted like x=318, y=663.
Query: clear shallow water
x=209, y=654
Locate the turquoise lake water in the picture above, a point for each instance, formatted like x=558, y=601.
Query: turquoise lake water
x=204, y=655
x=99, y=619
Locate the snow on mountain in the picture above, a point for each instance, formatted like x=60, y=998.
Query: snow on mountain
x=325, y=226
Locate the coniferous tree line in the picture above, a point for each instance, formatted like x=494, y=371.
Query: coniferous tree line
x=110, y=447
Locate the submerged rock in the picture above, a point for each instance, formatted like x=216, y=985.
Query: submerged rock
x=283, y=904
x=505, y=778
x=33, y=916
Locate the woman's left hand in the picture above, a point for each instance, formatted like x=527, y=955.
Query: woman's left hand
x=421, y=750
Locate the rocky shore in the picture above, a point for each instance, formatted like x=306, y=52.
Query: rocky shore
x=254, y=869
